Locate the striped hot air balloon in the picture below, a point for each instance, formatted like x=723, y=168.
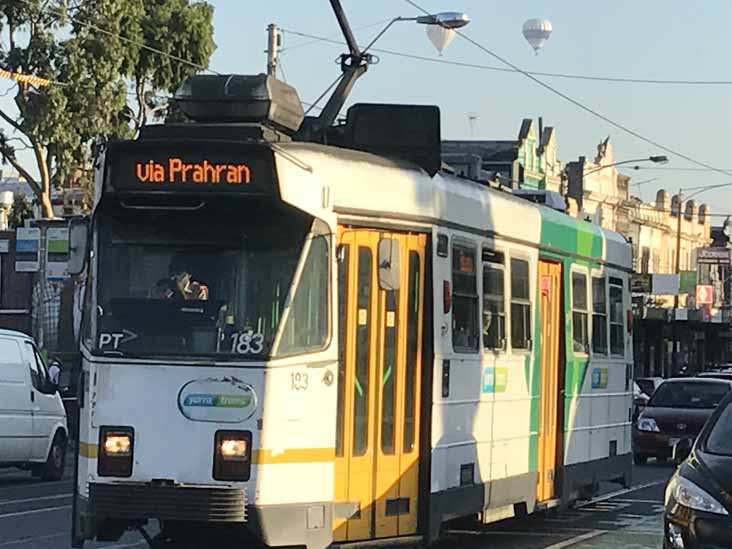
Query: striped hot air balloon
x=537, y=32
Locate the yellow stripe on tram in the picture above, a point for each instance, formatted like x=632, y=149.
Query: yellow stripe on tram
x=293, y=455
x=260, y=457
x=88, y=450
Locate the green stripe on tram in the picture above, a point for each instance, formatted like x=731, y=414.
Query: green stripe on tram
x=573, y=242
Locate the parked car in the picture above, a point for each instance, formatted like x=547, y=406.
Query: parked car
x=33, y=428
x=649, y=384
x=677, y=410
x=698, y=496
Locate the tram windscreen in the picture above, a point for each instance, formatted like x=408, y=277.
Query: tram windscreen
x=239, y=280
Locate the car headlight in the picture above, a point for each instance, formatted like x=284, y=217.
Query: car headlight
x=688, y=494
x=648, y=424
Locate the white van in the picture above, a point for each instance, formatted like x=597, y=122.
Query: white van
x=33, y=429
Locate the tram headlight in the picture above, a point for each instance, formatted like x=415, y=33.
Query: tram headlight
x=116, y=446
x=232, y=455
x=234, y=449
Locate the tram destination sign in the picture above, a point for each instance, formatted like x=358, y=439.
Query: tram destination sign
x=190, y=167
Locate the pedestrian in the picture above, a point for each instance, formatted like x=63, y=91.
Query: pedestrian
x=54, y=371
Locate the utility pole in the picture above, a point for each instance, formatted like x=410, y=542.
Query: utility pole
x=677, y=270
x=274, y=44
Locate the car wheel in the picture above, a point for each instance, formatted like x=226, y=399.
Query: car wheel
x=54, y=467
x=640, y=459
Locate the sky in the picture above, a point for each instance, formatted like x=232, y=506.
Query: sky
x=652, y=39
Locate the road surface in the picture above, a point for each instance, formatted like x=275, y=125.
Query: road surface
x=37, y=515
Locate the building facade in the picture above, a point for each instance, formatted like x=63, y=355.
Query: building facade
x=529, y=161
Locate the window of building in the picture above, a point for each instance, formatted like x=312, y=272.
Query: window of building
x=617, y=340
x=494, y=313
x=579, y=312
x=520, y=304
x=465, y=331
x=645, y=260
x=599, y=316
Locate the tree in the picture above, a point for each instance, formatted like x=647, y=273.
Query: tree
x=22, y=210
x=92, y=52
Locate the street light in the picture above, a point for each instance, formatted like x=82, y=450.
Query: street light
x=451, y=20
x=355, y=63
x=677, y=262
x=659, y=159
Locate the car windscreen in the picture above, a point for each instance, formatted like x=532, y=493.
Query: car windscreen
x=719, y=440
x=692, y=394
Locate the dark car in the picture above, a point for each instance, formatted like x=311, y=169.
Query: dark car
x=677, y=410
x=699, y=495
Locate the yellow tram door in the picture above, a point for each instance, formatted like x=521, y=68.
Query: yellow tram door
x=381, y=291
x=550, y=280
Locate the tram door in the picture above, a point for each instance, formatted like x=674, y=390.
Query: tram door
x=550, y=280
x=381, y=291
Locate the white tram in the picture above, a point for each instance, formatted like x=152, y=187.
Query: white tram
x=378, y=349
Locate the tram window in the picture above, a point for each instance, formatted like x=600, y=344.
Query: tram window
x=363, y=344
x=343, y=266
x=494, y=313
x=599, y=316
x=306, y=328
x=579, y=312
x=390, y=374
x=464, y=299
x=410, y=385
x=520, y=304
x=617, y=342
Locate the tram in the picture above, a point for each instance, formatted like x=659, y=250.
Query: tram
x=318, y=344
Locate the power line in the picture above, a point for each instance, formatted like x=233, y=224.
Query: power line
x=577, y=103
x=318, y=40
x=617, y=79
x=677, y=169
x=142, y=45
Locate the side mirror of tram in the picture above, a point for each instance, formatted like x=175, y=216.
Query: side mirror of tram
x=78, y=245
x=389, y=264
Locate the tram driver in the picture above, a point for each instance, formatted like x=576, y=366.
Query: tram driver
x=180, y=284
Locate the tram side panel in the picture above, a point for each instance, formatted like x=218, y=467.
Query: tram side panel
x=597, y=378
x=483, y=442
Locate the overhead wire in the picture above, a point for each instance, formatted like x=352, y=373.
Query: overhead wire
x=576, y=102
x=318, y=39
x=142, y=45
x=159, y=52
x=617, y=79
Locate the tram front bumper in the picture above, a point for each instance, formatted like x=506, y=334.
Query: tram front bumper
x=307, y=524
x=141, y=501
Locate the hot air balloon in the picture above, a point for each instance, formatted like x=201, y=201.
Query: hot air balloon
x=440, y=36
x=537, y=32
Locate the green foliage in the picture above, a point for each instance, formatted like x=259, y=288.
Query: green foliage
x=94, y=48
x=22, y=210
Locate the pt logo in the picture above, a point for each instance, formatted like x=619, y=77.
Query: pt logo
x=115, y=339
